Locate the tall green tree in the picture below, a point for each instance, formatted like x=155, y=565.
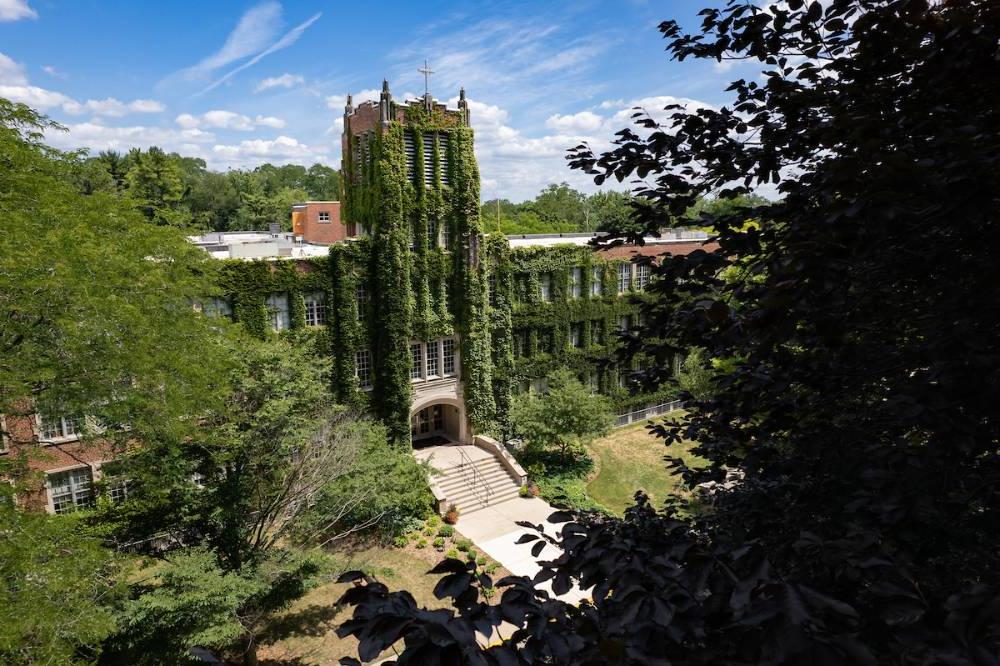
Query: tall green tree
x=156, y=181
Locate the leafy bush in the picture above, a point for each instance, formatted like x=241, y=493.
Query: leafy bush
x=400, y=541
x=439, y=543
x=524, y=491
x=452, y=554
x=446, y=531
x=427, y=531
x=433, y=521
x=463, y=545
x=471, y=555
x=421, y=544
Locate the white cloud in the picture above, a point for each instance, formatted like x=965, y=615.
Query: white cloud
x=11, y=72
x=281, y=149
x=112, y=107
x=221, y=119
x=97, y=136
x=283, y=81
x=576, y=123
x=337, y=102
x=35, y=97
x=15, y=10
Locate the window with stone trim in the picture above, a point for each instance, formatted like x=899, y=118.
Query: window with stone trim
x=596, y=332
x=52, y=427
x=315, y=308
x=71, y=490
x=433, y=360
x=416, y=361
x=432, y=233
x=448, y=357
x=576, y=335
x=324, y=217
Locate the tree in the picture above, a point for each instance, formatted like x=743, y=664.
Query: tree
x=95, y=314
x=561, y=203
x=155, y=180
x=322, y=183
x=58, y=588
x=228, y=498
x=696, y=375
x=860, y=408
x=564, y=418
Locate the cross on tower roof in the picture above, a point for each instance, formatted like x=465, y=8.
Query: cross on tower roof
x=426, y=71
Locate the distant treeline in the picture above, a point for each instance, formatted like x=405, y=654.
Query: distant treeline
x=182, y=191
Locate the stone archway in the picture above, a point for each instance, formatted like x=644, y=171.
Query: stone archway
x=435, y=418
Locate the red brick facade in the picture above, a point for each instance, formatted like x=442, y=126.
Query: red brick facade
x=319, y=222
x=21, y=434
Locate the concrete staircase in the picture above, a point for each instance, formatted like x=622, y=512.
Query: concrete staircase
x=470, y=478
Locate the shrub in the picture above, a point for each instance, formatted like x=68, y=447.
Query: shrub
x=428, y=531
x=524, y=491
x=439, y=543
x=471, y=555
x=446, y=531
x=452, y=554
x=400, y=541
x=451, y=516
x=481, y=560
x=463, y=545
x=422, y=543
x=492, y=567
x=433, y=521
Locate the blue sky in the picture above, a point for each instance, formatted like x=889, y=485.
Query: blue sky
x=241, y=83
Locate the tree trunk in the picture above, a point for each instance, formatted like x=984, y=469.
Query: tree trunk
x=250, y=652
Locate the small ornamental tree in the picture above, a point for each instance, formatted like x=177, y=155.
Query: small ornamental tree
x=860, y=392
x=564, y=418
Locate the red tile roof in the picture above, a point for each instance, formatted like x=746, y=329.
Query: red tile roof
x=656, y=249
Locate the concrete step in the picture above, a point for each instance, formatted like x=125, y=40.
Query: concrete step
x=470, y=498
x=498, y=499
x=459, y=481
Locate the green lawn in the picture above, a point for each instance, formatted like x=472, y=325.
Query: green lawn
x=628, y=460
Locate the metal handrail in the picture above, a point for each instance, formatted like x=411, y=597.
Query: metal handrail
x=477, y=480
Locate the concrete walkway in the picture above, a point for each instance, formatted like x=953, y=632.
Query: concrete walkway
x=495, y=531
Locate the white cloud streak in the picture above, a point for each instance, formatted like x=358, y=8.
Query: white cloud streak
x=221, y=119
x=287, y=40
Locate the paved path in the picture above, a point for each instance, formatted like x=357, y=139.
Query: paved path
x=495, y=531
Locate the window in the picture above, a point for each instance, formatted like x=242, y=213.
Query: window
x=576, y=335
x=593, y=381
x=641, y=275
x=521, y=344
x=576, y=282
x=363, y=368
x=71, y=490
x=624, y=277
x=433, y=360
x=429, y=159
x=411, y=152
x=446, y=236
x=624, y=323
x=448, y=356
x=277, y=306
x=417, y=361
x=540, y=385
x=595, y=281
x=545, y=282
x=324, y=216
x=58, y=427
x=432, y=233
x=315, y=308
x=597, y=332
x=361, y=298
x=217, y=307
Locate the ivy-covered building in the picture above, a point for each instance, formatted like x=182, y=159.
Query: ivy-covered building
x=434, y=324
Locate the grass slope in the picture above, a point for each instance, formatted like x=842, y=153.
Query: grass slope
x=631, y=459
